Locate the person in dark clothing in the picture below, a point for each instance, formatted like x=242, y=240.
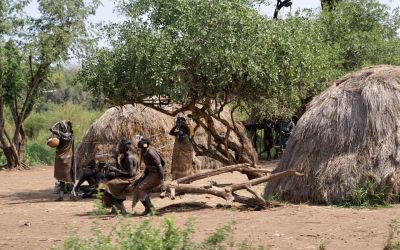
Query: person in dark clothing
x=182, y=153
x=153, y=176
x=92, y=174
x=63, y=166
x=116, y=189
x=268, y=139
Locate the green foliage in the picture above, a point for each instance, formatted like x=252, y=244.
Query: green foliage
x=29, y=48
x=359, y=31
x=393, y=242
x=368, y=195
x=189, y=51
x=99, y=208
x=37, y=154
x=147, y=236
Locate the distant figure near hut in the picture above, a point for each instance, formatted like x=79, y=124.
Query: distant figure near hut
x=182, y=154
x=63, y=166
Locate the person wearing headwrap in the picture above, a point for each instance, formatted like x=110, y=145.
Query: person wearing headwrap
x=153, y=176
x=182, y=153
x=116, y=189
x=63, y=166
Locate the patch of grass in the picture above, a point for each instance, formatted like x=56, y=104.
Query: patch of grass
x=99, y=208
x=393, y=242
x=147, y=236
x=368, y=195
x=275, y=198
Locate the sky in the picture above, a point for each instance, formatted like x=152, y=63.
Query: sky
x=105, y=13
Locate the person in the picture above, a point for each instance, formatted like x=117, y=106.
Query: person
x=93, y=174
x=120, y=178
x=182, y=153
x=64, y=160
x=153, y=176
x=268, y=138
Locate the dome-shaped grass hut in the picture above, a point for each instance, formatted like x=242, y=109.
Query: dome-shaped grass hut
x=117, y=123
x=349, y=137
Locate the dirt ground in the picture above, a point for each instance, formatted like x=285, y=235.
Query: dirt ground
x=30, y=219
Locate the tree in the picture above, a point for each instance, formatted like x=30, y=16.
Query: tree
x=204, y=56
x=28, y=49
x=363, y=32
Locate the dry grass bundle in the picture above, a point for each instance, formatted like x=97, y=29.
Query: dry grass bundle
x=348, y=137
x=127, y=121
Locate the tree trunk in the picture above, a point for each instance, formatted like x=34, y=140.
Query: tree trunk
x=12, y=158
x=20, y=141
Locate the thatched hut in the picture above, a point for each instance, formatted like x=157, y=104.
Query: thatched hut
x=127, y=121
x=349, y=136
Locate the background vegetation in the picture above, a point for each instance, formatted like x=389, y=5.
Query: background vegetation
x=188, y=51
x=64, y=100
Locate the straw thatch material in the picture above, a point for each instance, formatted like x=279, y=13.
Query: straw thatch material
x=350, y=134
x=127, y=121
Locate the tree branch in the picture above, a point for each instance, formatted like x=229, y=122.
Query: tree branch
x=228, y=192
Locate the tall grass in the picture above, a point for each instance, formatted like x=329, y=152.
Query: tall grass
x=37, y=129
x=368, y=195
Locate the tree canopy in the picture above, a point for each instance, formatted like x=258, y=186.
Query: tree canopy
x=29, y=48
x=191, y=52
x=205, y=55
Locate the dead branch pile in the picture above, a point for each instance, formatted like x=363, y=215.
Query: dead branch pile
x=184, y=186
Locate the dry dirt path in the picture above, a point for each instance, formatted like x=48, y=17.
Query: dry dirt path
x=30, y=219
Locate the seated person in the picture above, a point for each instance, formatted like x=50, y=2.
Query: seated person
x=93, y=175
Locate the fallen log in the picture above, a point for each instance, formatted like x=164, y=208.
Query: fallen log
x=228, y=192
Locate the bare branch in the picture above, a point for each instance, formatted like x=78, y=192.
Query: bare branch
x=199, y=176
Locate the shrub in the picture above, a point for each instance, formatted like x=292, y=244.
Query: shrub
x=367, y=195
x=147, y=236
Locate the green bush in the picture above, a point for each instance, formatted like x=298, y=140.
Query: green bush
x=147, y=236
x=368, y=195
x=39, y=154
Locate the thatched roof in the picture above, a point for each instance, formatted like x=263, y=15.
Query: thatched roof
x=127, y=121
x=349, y=134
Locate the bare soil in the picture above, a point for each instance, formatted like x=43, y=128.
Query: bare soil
x=31, y=219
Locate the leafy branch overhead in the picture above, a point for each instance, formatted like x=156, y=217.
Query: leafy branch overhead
x=192, y=51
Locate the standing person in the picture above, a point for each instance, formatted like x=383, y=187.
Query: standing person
x=115, y=190
x=153, y=176
x=63, y=166
x=182, y=153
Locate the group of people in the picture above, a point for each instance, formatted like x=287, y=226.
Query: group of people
x=119, y=181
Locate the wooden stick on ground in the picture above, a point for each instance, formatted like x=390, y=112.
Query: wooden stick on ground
x=228, y=192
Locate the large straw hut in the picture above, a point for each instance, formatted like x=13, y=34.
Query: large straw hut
x=129, y=120
x=348, y=138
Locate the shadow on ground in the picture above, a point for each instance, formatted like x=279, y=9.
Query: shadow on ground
x=29, y=196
